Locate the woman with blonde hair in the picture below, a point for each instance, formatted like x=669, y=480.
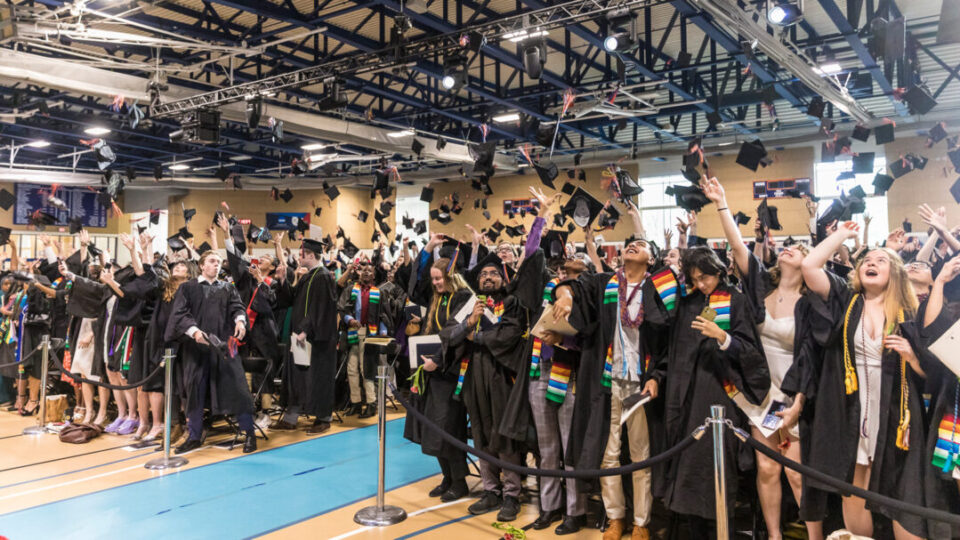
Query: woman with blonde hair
x=781, y=307
x=870, y=430
x=443, y=291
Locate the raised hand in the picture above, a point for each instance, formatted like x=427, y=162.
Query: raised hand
x=713, y=190
x=935, y=219
x=849, y=229
x=896, y=239
x=127, y=241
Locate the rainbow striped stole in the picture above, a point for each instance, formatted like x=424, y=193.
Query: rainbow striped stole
x=497, y=311
x=607, y=378
x=720, y=302
x=559, y=381
x=464, y=364
x=730, y=389
x=612, y=291
x=548, y=290
x=373, y=299
x=535, y=357
x=946, y=455
x=667, y=287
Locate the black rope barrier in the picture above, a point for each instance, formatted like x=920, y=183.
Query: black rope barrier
x=119, y=387
x=554, y=473
x=24, y=359
x=850, y=489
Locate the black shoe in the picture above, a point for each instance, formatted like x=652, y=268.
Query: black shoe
x=571, y=524
x=509, y=509
x=318, y=427
x=546, y=519
x=439, y=490
x=458, y=490
x=488, y=502
x=352, y=410
x=369, y=410
x=190, y=444
x=250, y=444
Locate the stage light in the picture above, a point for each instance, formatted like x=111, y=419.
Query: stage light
x=254, y=111
x=454, y=74
x=783, y=13
x=622, y=31
x=619, y=42
x=534, y=57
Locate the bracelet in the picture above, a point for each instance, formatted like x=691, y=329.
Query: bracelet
x=722, y=209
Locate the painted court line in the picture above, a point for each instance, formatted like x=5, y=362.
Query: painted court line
x=410, y=515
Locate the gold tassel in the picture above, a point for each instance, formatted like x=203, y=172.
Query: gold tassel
x=850, y=373
x=903, y=428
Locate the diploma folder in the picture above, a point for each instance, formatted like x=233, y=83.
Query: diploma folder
x=546, y=323
x=946, y=347
x=420, y=346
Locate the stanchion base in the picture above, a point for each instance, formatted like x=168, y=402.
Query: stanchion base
x=158, y=464
x=35, y=430
x=380, y=517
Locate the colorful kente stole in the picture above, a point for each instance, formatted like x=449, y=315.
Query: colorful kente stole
x=559, y=381
x=946, y=455
x=373, y=299
x=720, y=302
x=536, y=356
x=124, y=347
x=68, y=362
x=21, y=302
x=607, y=378
x=611, y=291
x=667, y=287
x=465, y=363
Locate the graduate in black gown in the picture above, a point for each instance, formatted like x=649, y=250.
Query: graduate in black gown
x=313, y=299
x=207, y=313
x=870, y=382
x=443, y=293
x=713, y=355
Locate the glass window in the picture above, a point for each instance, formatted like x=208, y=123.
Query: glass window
x=659, y=211
x=413, y=207
x=828, y=188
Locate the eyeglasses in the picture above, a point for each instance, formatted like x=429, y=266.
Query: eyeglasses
x=918, y=265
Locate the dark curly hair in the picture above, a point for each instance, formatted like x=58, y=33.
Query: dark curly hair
x=705, y=259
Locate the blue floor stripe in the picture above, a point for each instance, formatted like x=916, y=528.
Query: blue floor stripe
x=32, y=480
x=237, y=498
x=434, y=527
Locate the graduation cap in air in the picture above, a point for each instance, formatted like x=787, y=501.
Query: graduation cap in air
x=609, y=217
x=857, y=199
x=420, y=227
x=41, y=219
x=386, y=207
x=222, y=173
x=860, y=133
x=628, y=187
x=936, y=134
x=184, y=233
x=907, y=226
x=176, y=243
x=362, y=216
x=154, y=216
x=690, y=198
x=487, y=190
x=188, y=214
x=955, y=190
x=417, y=147
x=204, y=247
x=846, y=175
x=547, y=173
x=286, y=195
x=486, y=214
x=299, y=167
x=426, y=194
x=94, y=251
x=567, y=188
x=919, y=162
x=407, y=221
x=514, y=232
x=331, y=192
x=582, y=207
x=104, y=155
x=751, y=154
x=349, y=248
x=4, y=235
x=6, y=199
x=816, y=107
x=920, y=101
x=882, y=183
x=883, y=133
x=900, y=167
x=554, y=243
x=741, y=218
x=545, y=136
x=863, y=163
x=483, y=154
x=768, y=216
x=157, y=173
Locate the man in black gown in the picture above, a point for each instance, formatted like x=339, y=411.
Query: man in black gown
x=207, y=312
x=314, y=322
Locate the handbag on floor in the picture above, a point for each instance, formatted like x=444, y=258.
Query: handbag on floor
x=56, y=407
x=80, y=433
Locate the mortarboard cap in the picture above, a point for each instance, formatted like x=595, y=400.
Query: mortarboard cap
x=751, y=153
x=362, y=216
x=920, y=101
x=936, y=134
x=286, y=195
x=955, y=190
x=860, y=133
x=6, y=199
x=900, y=167
x=609, y=217
x=907, y=226
x=567, y=188
x=154, y=217
x=315, y=246
x=690, y=198
x=332, y=192
x=483, y=158
x=883, y=133
x=222, y=173
x=420, y=227
x=554, y=243
x=176, y=243
x=863, y=163
x=582, y=207
x=4, y=235
x=953, y=154
x=417, y=147
x=741, y=218
x=919, y=162
x=237, y=183
x=426, y=194
x=76, y=225
x=768, y=216
x=407, y=222
x=882, y=183
x=188, y=214
x=486, y=214
x=547, y=173
x=204, y=247
x=104, y=155
x=184, y=233
x=816, y=107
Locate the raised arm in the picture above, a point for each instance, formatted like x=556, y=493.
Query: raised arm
x=935, y=300
x=813, y=273
x=591, y=247
x=938, y=220
x=135, y=262
x=681, y=234
x=634, y=214
x=14, y=257
x=741, y=256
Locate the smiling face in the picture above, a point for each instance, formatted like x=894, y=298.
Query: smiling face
x=365, y=273
x=267, y=264
x=672, y=258
x=490, y=279
x=506, y=254
x=637, y=252
x=920, y=273
x=791, y=256
x=874, y=270
x=436, y=279
x=705, y=283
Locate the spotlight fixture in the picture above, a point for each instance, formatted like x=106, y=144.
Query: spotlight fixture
x=199, y=126
x=534, y=58
x=454, y=73
x=254, y=111
x=622, y=36
x=784, y=13
x=334, y=96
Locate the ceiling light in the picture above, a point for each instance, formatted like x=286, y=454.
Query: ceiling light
x=402, y=133
x=454, y=74
x=96, y=131
x=508, y=117
x=831, y=68
x=38, y=144
x=240, y=158
x=313, y=146
x=179, y=167
x=784, y=13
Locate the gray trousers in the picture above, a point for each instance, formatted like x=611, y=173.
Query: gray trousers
x=490, y=475
x=553, y=431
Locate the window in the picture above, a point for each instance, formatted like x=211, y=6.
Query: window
x=659, y=211
x=413, y=207
x=828, y=188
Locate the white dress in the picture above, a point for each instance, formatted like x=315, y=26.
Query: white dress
x=777, y=335
x=82, y=359
x=867, y=355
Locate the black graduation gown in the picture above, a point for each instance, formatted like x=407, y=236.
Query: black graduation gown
x=264, y=332
x=696, y=370
x=87, y=299
x=437, y=401
x=214, y=309
x=134, y=310
x=833, y=445
x=596, y=324
x=940, y=489
x=314, y=304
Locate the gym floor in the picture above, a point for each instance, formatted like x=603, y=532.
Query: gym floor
x=294, y=487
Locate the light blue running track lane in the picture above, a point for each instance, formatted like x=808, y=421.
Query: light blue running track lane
x=238, y=498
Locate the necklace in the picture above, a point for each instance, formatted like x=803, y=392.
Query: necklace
x=625, y=301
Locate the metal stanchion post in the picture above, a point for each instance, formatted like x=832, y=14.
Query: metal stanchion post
x=41, y=426
x=719, y=476
x=381, y=514
x=167, y=462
